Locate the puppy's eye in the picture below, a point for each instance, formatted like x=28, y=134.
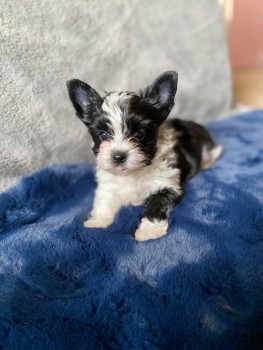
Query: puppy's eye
x=139, y=135
x=104, y=135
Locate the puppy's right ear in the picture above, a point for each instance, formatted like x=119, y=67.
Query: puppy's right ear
x=86, y=101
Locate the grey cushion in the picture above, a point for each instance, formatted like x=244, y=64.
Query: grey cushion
x=110, y=45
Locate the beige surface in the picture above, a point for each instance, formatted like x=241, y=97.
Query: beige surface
x=248, y=87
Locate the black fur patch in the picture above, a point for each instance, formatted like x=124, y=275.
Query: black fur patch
x=192, y=138
x=159, y=205
x=99, y=124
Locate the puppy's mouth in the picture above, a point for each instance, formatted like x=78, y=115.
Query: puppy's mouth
x=120, y=170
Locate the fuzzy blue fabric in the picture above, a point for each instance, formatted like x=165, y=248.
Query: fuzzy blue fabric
x=63, y=286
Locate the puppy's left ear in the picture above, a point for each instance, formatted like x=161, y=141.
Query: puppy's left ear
x=160, y=95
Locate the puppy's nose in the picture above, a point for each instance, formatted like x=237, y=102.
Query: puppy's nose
x=119, y=157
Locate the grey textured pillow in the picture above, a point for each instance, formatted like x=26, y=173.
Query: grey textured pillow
x=110, y=45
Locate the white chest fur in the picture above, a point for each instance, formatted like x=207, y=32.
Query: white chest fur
x=136, y=188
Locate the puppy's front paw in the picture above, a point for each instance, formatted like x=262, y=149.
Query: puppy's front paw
x=102, y=222
x=150, y=230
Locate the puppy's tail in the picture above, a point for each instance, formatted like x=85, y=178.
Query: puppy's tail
x=210, y=155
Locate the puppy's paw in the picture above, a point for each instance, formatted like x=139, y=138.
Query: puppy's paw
x=93, y=222
x=150, y=230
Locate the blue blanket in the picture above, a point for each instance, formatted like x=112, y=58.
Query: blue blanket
x=63, y=286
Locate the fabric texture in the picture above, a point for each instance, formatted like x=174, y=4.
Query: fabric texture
x=111, y=45
x=63, y=286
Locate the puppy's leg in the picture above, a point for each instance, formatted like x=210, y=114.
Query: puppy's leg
x=155, y=217
x=104, y=209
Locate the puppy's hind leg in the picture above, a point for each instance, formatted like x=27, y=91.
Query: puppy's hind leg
x=158, y=206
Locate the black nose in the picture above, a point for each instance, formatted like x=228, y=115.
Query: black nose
x=119, y=157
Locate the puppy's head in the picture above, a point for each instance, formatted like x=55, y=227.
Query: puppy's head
x=124, y=126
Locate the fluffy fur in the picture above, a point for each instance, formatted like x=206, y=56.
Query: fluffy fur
x=64, y=286
x=141, y=158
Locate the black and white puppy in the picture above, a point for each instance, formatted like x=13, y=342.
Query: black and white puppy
x=141, y=158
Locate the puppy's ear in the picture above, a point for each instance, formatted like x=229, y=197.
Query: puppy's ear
x=160, y=95
x=86, y=101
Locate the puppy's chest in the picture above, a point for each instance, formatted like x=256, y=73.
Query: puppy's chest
x=134, y=189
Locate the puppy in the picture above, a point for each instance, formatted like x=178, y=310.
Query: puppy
x=141, y=158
